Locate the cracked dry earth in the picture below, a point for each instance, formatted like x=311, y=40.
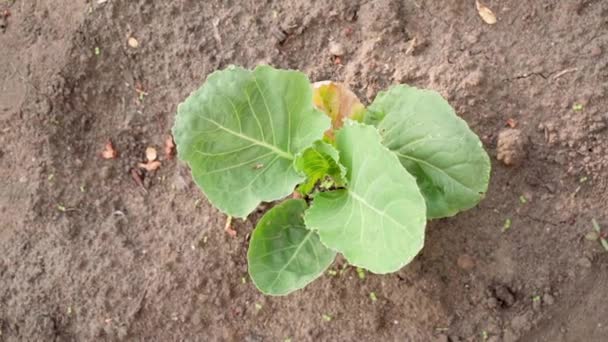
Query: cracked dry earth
x=118, y=263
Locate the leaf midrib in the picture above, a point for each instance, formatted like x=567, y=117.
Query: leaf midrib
x=292, y=258
x=435, y=167
x=377, y=211
x=272, y=148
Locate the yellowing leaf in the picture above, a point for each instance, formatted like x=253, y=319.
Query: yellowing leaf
x=485, y=13
x=338, y=102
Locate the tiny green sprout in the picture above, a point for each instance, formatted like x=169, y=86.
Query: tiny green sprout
x=326, y=317
x=484, y=335
x=50, y=177
x=82, y=188
x=243, y=280
x=523, y=199
x=583, y=179
x=332, y=273
x=360, y=273
x=600, y=236
x=69, y=311
x=197, y=202
x=372, y=296
x=507, y=225
x=61, y=208
x=287, y=339
x=592, y=236
x=536, y=298
x=596, y=226
x=577, y=107
x=258, y=306
x=97, y=51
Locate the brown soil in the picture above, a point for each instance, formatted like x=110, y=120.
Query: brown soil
x=86, y=254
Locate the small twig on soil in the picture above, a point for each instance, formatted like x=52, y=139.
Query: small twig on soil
x=216, y=31
x=228, y=227
x=564, y=72
x=138, y=177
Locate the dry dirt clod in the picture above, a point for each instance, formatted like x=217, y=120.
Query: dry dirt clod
x=336, y=49
x=504, y=296
x=511, y=149
x=151, y=154
x=584, y=262
x=548, y=299
x=466, y=262
x=109, y=152
x=485, y=13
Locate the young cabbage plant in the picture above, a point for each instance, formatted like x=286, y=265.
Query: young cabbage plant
x=369, y=177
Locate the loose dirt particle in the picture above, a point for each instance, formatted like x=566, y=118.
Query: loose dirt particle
x=336, y=49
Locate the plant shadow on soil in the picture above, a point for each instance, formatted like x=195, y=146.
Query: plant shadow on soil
x=88, y=255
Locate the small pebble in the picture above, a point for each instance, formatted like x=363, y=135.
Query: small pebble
x=133, y=42
x=336, y=49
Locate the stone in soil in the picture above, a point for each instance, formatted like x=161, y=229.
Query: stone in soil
x=511, y=147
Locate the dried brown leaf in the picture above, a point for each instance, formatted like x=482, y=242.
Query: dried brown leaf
x=485, y=13
x=338, y=102
x=109, y=152
x=511, y=123
x=169, y=147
